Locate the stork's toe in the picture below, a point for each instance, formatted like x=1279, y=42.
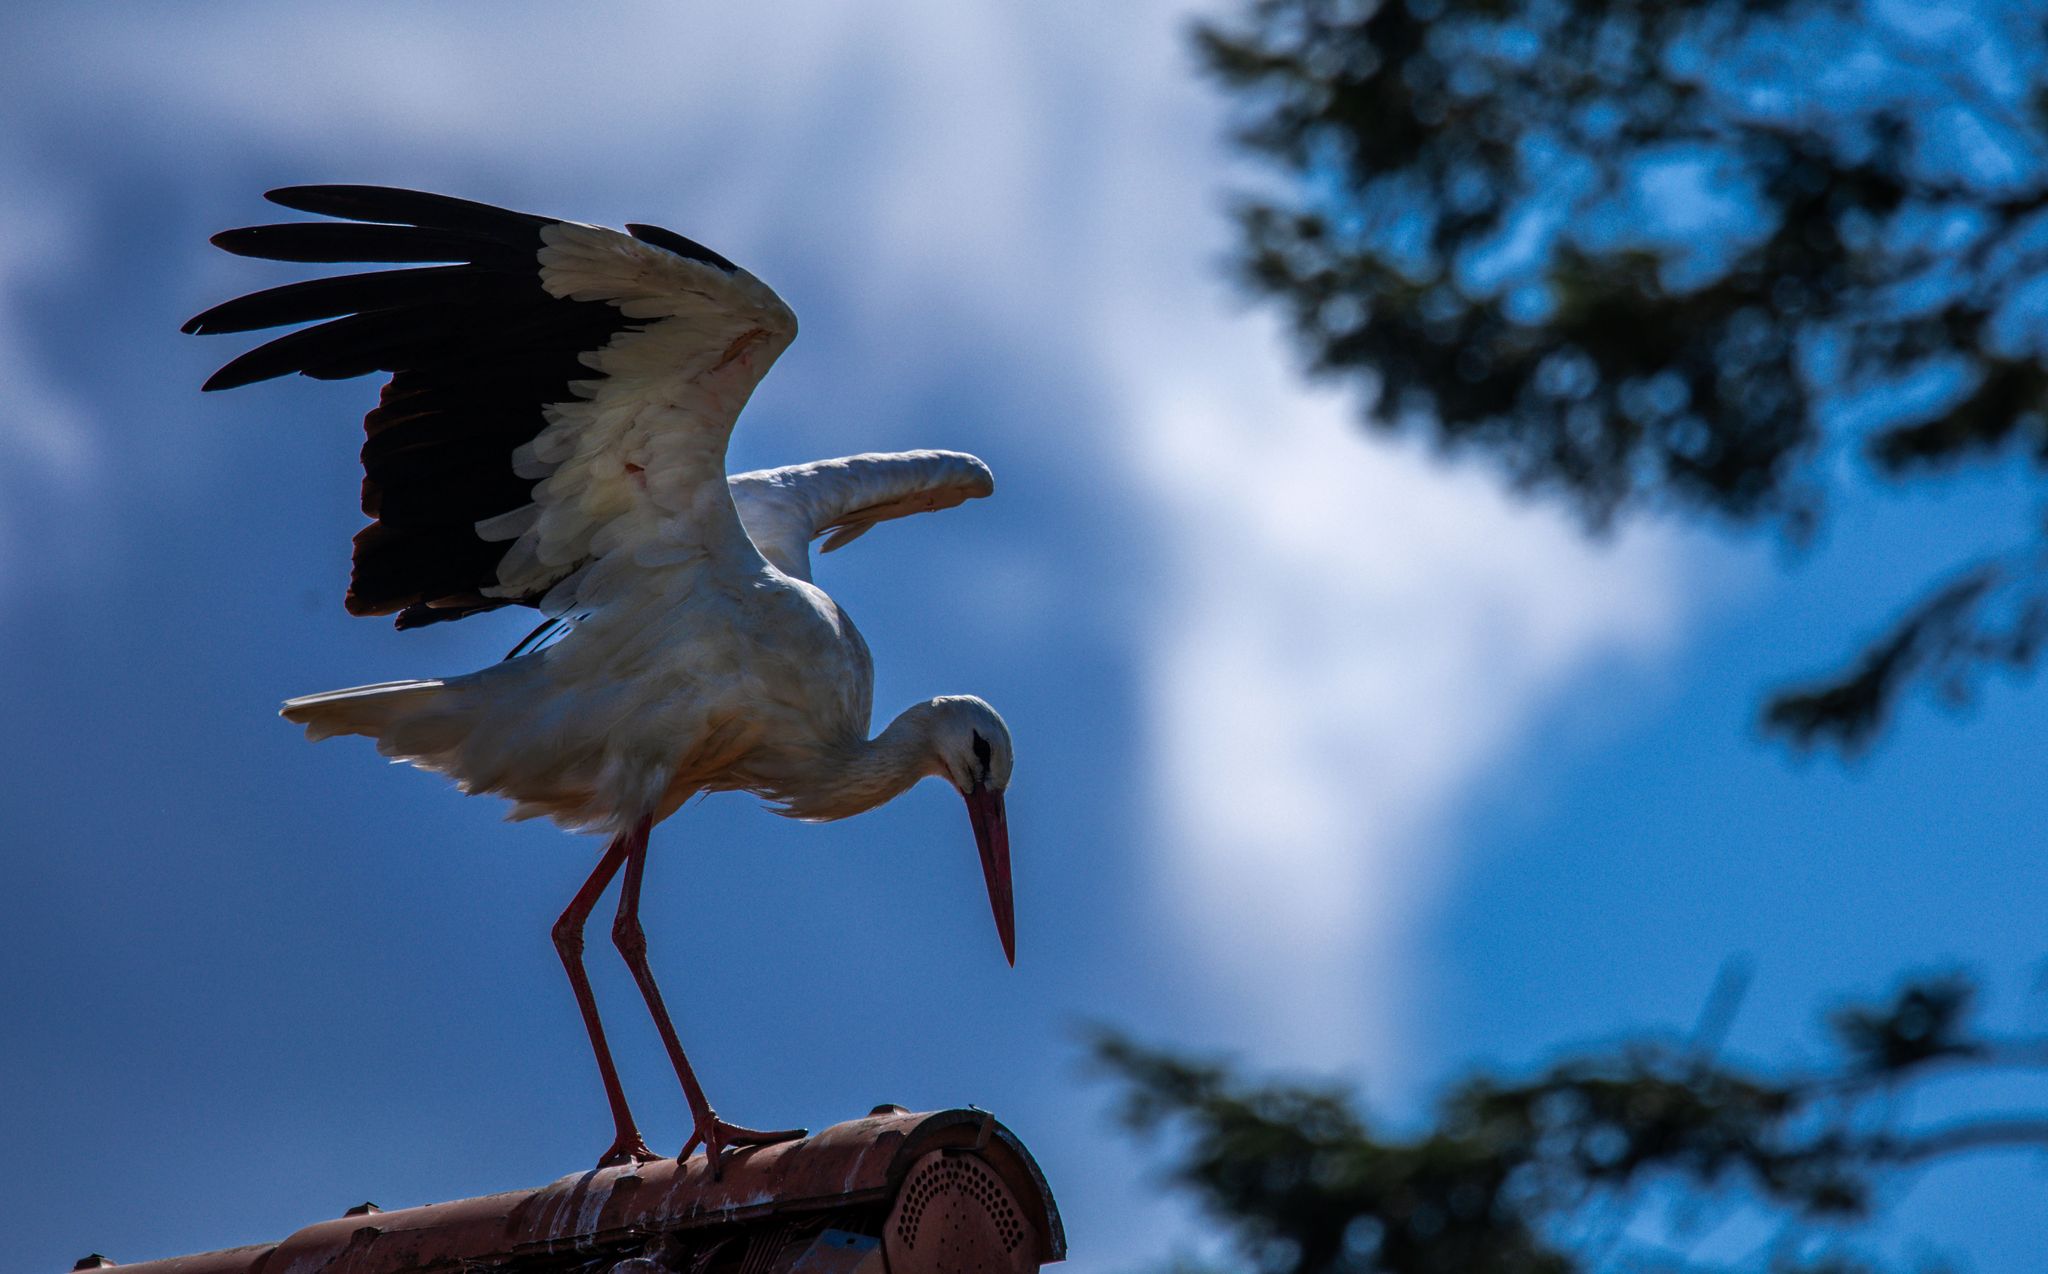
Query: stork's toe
x=627, y=1149
x=718, y=1136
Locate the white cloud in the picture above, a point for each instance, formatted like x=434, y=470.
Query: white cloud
x=46, y=439
x=1347, y=638
x=1344, y=636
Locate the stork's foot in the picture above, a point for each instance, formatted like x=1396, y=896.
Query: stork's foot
x=627, y=1148
x=718, y=1136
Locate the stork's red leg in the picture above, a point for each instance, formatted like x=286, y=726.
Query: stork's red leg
x=627, y=1146
x=631, y=941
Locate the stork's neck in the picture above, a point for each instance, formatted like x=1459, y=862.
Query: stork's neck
x=874, y=771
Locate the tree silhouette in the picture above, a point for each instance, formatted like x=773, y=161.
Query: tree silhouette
x=1679, y=256
x=1567, y=1171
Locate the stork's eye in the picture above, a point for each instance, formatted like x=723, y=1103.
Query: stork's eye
x=981, y=751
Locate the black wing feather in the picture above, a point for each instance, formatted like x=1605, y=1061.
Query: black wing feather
x=477, y=350
x=352, y=294
x=688, y=249
x=383, y=340
x=326, y=242
x=408, y=207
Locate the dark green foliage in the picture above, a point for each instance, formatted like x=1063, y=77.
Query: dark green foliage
x=1947, y=636
x=1925, y=1022
x=1543, y=1175
x=1480, y=228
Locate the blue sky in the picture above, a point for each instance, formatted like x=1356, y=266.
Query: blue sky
x=1329, y=755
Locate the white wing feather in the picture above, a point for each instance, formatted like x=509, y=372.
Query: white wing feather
x=634, y=472
x=783, y=510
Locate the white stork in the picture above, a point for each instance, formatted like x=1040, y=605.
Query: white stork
x=554, y=435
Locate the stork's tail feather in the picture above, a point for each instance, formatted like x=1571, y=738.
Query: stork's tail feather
x=373, y=710
x=480, y=731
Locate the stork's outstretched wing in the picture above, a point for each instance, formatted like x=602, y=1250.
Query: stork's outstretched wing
x=560, y=393
x=785, y=509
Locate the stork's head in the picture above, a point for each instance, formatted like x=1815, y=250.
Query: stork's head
x=971, y=746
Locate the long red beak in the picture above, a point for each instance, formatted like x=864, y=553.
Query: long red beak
x=992, y=837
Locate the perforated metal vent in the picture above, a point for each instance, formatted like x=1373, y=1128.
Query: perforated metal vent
x=955, y=1216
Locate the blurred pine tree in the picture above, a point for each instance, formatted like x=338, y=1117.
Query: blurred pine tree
x=1677, y=256
x=1583, y=1167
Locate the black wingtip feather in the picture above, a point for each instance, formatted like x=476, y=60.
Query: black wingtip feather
x=395, y=204
x=688, y=249
x=353, y=345
x=329, y=242
x=237, y=374
x=335, y=296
